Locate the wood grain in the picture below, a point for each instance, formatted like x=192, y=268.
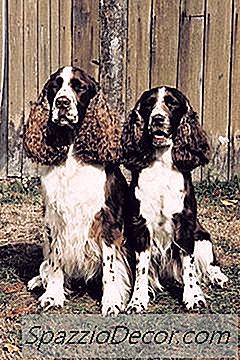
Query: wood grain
x=65, y=48
x=54, y=35
x=86, y=36
x=138, y=50
x=165, y=42
x=16, y=93
x=216, y=104
x=235, y=86
x=193, y=7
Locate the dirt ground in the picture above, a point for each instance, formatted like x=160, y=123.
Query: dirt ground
x=21, y=223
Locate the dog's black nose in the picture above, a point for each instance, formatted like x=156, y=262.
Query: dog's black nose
x=157, y=120
x=62, y=102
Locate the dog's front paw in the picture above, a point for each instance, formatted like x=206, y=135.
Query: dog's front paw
x=137, y=305
x=34, y=282
x=193, y=298
x=217, y=277
x=112, y=307
x=110, y=310
x=52, y=299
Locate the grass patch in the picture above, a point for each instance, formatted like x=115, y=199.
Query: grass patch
x=216, y=191
x=16, y=192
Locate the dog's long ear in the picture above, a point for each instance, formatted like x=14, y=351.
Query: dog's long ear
x=190, y=143
x=133, y=131
x=134, y=140
x=98, y=139
x=35, y=133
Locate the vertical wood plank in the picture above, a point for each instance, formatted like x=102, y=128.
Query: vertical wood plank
x=165, y=42
x=16, y=102
x=65, y=50
x=86, y=36
x=3, y=88
x=190, y=60
x=113, y=26
x=192, y=8
x=190, y=69
x=54, y=35
x=138, y=50
x=44, y=41
x=216, y=103
x=235, y=97
x=31, y=61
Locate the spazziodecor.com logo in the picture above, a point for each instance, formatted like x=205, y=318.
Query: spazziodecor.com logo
x=148, y=335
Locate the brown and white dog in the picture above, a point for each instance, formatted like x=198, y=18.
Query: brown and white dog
x=163, y=142
x=75, y=137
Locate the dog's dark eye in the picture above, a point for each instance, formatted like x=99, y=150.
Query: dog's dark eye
x=56, y=84
x=170, y=100
x=53, y=87
x=77, y=85
x=59, y=81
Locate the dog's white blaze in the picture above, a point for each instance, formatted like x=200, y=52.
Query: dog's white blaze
x=67, y=91
x=74, y=193
x=158, y=108
x=66, y=74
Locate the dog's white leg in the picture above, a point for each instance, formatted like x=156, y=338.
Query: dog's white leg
x=54, y=294
x=140, y=297
x=193, y=297
x=51, y=273
x=52, y=276
x=204, y=259
x=116, y=280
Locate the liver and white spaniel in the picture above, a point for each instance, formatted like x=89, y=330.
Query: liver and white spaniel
x=163, y=142
x=74, y=136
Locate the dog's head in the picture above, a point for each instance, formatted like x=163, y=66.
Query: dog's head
x=162, y=117
x=68, y=92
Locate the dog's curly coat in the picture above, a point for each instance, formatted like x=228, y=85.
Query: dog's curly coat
x=75, y=137
x=162, y=143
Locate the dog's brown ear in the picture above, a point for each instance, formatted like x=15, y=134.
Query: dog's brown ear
x=134, y=138
x=190, y=144
x=35, y=133
x=98, y=139
x=133, y=130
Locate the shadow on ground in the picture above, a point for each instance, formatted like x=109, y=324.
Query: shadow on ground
x=21, y=261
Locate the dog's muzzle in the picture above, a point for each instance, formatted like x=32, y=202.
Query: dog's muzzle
x=159, y=130
x=64, y=112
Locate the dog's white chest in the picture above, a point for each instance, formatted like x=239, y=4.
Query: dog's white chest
x=160, y=191
x=74, y=194
x=74, y=188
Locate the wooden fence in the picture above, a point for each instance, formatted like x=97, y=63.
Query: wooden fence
x=129, y=46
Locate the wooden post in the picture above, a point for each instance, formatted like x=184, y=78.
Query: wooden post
x=113, y=35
